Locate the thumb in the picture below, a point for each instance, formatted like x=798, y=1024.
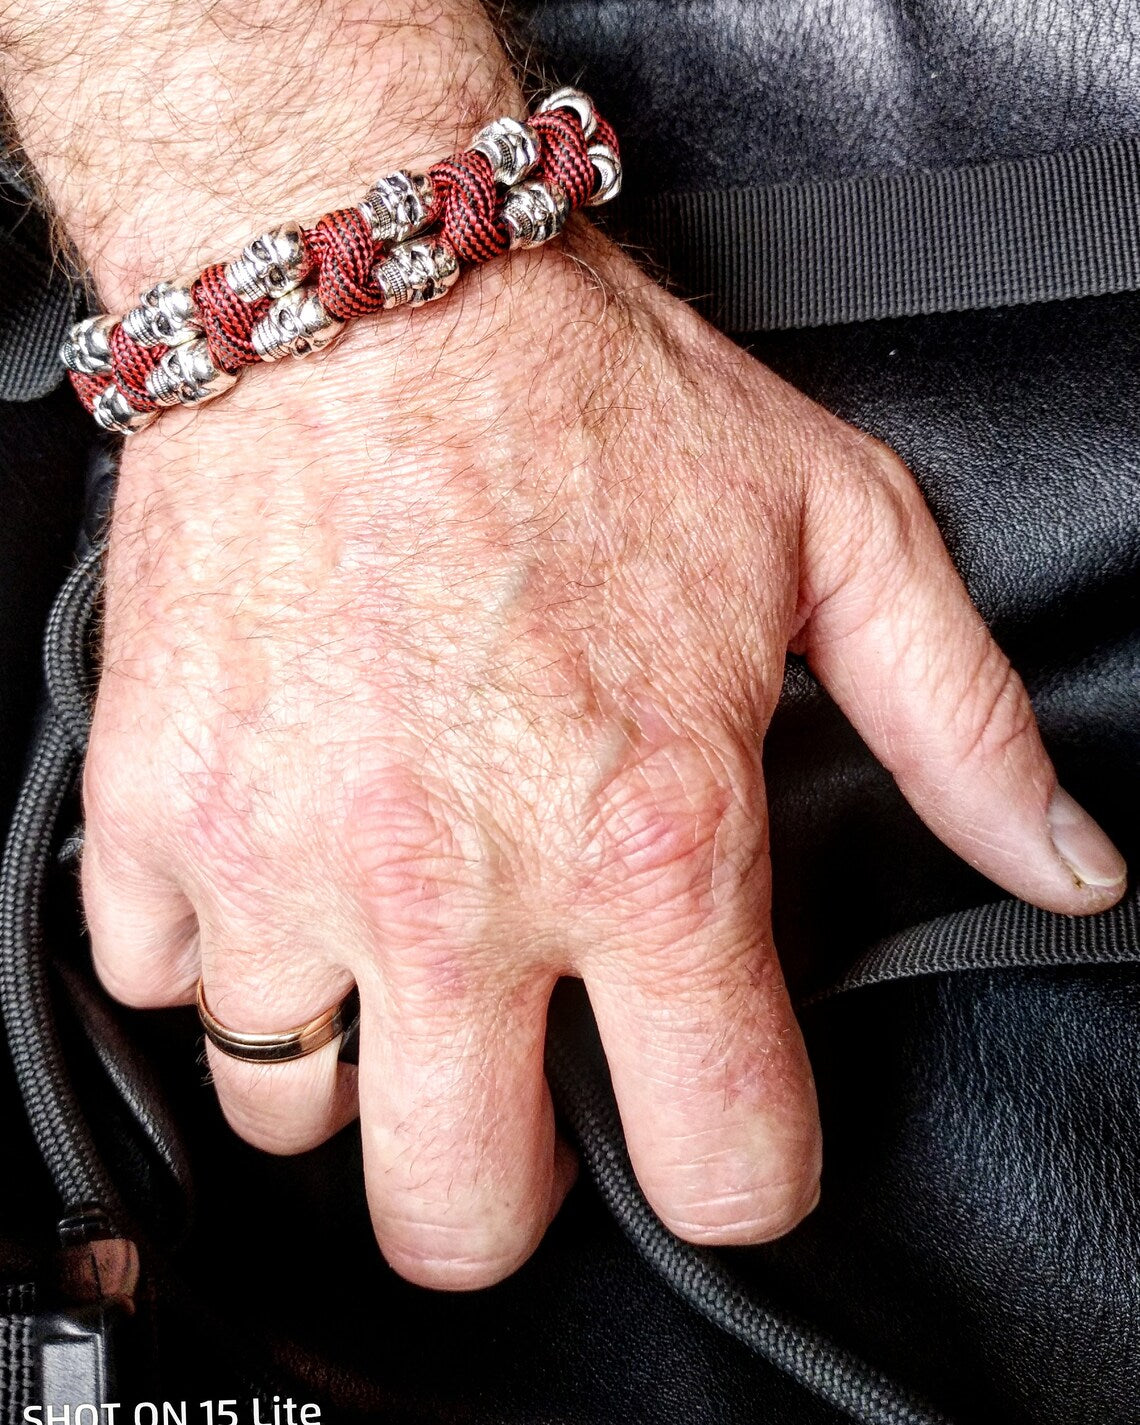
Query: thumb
x=891, y=633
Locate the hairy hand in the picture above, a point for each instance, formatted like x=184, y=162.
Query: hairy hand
x=441, y=664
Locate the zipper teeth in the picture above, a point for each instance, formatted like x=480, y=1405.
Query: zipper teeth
x=814, y=1362
x=53, y=1111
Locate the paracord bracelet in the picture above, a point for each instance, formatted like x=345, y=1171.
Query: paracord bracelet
x=292, y=290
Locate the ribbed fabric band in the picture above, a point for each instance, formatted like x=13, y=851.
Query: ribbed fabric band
x=17, y=1367
x=1005, y=935
x=805, y=254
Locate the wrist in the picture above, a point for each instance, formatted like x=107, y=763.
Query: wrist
x=508, y=333
x=235, y=126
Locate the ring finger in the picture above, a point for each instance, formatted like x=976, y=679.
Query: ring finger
x=284, y=1106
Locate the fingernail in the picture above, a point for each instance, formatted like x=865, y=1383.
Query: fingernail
x=1081, y=844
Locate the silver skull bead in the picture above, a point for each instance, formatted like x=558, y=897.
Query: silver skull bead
x=534, y=213
x=417, y=272
x=295, y=325
x=115, y=413
x=510, y=147
x=399, y=206
x=165, y=315
x=87, y=350
x=579, y=104
x=187, y=374
x=270, y=265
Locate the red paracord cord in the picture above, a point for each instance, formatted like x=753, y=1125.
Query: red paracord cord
x=343, y=255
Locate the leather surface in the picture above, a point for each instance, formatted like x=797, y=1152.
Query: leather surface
x=140, y=1137
x=755, y=91
x=979, y=1231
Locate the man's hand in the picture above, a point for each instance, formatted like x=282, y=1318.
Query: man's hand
x=441, y=664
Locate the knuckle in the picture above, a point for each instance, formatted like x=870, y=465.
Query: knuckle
x=149, y=793
x=108, y=864
x=457, y=1201
x=890, y=469
x=891, y=510
x=873, y=516
x=225, y=826
x=112, y=805
x=153, y=985
x=141, y=960
x=412, y=856
x=674, y=830
x=279, y=1136
x=997, y=717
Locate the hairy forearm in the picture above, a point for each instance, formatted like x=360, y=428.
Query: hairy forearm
x=165, y=134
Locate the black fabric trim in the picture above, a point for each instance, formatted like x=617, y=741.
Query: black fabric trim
x=822, y=253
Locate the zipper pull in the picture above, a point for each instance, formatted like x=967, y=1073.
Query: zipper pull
x=96, y=1268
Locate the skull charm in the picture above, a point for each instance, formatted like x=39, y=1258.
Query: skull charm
x=87, y=350
x=295, y=325
x=510, y=147
x=113, y=412
x=165, y=316
x=399, y=206
x=270, y=265
x=187, y=374
x=533, y=213
x=417, y=272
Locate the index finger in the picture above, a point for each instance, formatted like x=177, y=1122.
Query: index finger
x=894, y=638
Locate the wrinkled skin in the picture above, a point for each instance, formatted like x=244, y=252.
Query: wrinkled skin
x=441, y=663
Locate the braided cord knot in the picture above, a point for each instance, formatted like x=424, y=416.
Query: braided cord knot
x=342, y=264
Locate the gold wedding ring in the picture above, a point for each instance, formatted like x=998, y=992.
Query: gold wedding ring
x=289, y=1044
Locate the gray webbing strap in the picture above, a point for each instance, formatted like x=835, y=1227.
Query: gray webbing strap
x=821, y=253
x=1006, y=935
